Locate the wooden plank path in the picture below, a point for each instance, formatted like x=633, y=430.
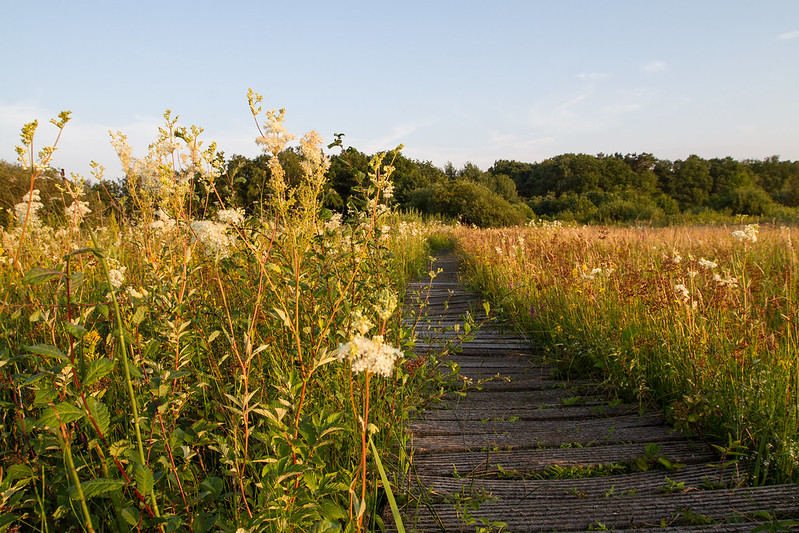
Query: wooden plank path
x=543, y=454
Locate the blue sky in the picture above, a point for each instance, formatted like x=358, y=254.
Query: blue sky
x=452, y=80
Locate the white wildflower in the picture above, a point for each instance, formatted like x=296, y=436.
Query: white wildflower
x=728, y=282
x=231, y=216
x=214, y=236
x=77, y=210
x=116, y=273
x=683, y=292
x=704, y=263
x=590, y=275
x=749, y=233
x=21, y=209
x=370, y=355
x=164, y=222
x=334, y=223
x=360, y=323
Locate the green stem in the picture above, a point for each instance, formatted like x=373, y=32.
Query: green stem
x=124, y=351
x=386, y=485
x=76, y=480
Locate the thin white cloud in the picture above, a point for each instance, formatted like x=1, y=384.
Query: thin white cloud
x=572, y=102
x=654, y=66
x=593, y=76
x=394, y=137
x=787, y=36
x=620, y=109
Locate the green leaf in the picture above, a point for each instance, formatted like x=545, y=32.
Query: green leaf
x=76, y=280
x=332, y=510
x=15, y=472
x=45, y=395
x=213, y=485
x=144, y=479
x=282, y=315
x=39, y=275
x=139, y=315
x=96, y=487
x=131, y=515
x=99, y=413
x=98, y=369
x=324, y=526
x=65, y=412
x=76, y=331
x=95, y=251
x=46, y=349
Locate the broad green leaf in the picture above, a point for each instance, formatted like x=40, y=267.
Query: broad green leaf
x=98, y=369
x=213, y=485
x=96, y=487
x=131, y=515
x=45, y=395
x=99, y=413
x=46, y=349
x=324, y=526
x=76, y=331
x=139, y=315
x=76, y=280
x=144, y=479
x=39, y=275
x=332, y=510
x=65, y=412
x=14, y=472
x=95, y=251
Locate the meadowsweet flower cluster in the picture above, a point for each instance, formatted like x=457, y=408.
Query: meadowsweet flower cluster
x=231, y=216
x=360, y=323
x=76, y=211
x=748, y=234
x=704, y=263
x=213, y=236
x=21, y=209
x=730, y=282
x=684, y=295
x=369, y=355
x=164, y=222
x=116, y=272
x=594, y=272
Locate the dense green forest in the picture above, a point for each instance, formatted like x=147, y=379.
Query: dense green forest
x=590, y=189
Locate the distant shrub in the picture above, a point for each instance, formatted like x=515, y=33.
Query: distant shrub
x=750, y=200
x=471, y=202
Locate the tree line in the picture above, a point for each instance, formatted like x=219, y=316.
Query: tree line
x=586, y=188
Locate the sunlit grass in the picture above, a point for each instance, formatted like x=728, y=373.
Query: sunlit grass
x=700, y=320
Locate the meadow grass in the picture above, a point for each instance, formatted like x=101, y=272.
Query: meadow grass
x=701, y=321
x=226, y=372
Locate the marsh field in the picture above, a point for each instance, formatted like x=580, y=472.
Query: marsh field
x=194, y=368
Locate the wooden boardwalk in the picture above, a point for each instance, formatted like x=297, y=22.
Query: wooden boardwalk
x=543, y=454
